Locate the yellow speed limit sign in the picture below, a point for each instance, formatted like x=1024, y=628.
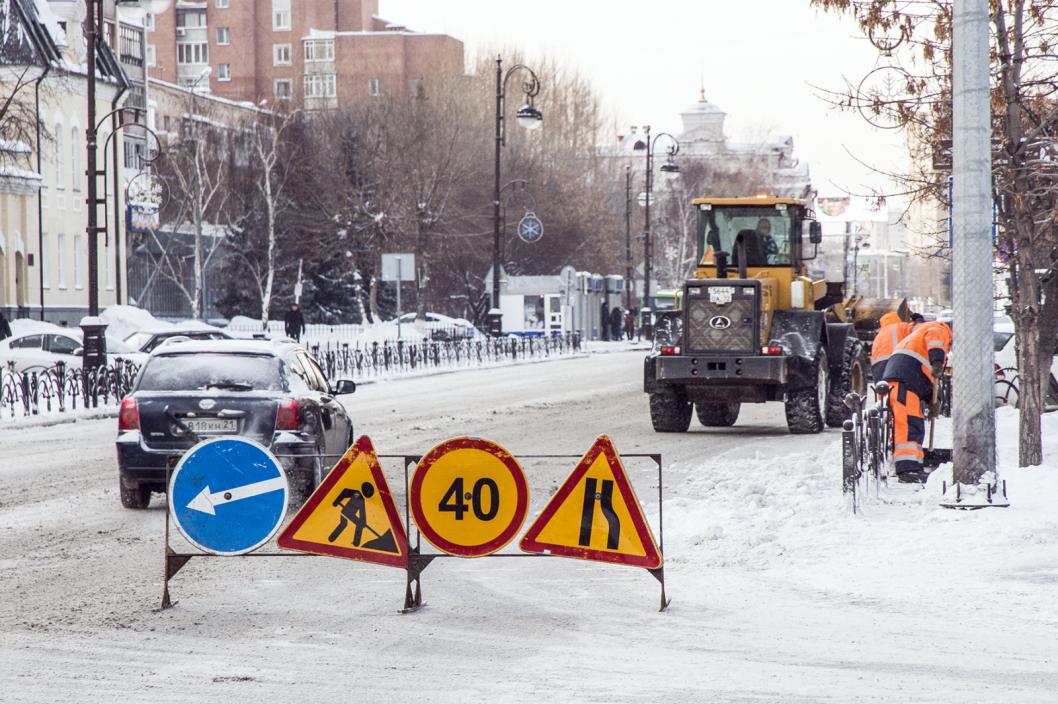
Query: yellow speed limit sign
x=469, y=497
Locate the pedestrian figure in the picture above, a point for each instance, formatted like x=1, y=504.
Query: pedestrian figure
x=630, y=323
x=354, y=510
x=294, y=322
x=5, y=328
x=615, y=323
x=604, y=321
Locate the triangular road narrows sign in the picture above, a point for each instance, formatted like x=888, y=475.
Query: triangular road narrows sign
x=595, y=515
x=351, y=514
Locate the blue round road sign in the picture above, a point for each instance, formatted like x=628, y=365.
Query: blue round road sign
x=530, y=229
x=228, y=496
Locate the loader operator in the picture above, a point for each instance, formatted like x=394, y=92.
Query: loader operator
x=891, y=330
x=912, y=370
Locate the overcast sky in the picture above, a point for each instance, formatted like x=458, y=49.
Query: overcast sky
x=760, y=60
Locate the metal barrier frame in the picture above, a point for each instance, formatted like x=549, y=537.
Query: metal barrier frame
x=417, y=560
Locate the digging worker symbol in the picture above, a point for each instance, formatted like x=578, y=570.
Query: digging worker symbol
x=354, y=511
x=912, y=371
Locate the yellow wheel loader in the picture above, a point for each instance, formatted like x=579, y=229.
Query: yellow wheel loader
x=751, y=326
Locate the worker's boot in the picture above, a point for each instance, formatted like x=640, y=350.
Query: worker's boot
x=912, y=477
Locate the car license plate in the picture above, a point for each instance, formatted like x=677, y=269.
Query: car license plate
x=721, y=294
x=201, y=426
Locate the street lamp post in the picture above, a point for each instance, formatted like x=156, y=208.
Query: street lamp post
x=530, y=118
x=628, y=237
x=93, y=21
x=669, y=168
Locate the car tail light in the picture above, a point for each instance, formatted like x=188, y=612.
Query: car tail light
x=288, y=416
x=129, y=415
x=771, y=350
x=669, y=350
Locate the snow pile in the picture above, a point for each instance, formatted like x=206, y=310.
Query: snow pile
x=786, y=514
x=122, y=321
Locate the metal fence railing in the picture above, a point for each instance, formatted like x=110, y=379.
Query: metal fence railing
x=867, y=439
x=396, y=356
x=61, y=388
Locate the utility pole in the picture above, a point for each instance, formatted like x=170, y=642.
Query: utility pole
x=629, y=281
x=92, y=230
x=973, y=406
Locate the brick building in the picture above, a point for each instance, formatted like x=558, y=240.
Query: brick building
x=312, y=53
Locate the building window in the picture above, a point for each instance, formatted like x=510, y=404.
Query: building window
x=190, y=20
x=374, y=86
x=284, y=89
x=166, y=123
x=60, y=259
x=319, y=50
x=77, y=278
x=223, y=36
x=281, y=55
x=109, y=30
x=224, y=72
x=60, y=173
x=416, y=89
x=131, y=49
x=280, y=15
x=320, y=85
x=45, y=259
x=222, y=4
x=75, y=161
x=152, y=55
x=108, y=256
x=148, y=22
x=192, y=53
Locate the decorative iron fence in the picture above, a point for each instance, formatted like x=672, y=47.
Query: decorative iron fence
x=398, y=357
x=60, y=388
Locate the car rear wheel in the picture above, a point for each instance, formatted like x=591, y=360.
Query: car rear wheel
x=718, y=415
x=670, y=413
x=806, y=409
x=135, y=496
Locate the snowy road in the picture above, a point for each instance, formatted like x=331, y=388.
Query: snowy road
x=778, y=593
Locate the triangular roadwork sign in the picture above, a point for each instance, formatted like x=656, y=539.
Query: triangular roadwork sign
x=351, y=514
x=595, y=515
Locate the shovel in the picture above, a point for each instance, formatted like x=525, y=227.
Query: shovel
x=933, y=458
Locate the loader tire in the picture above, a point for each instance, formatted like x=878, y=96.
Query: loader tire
x=806, y=409
x=717, y=415
x=852, y=377
x=670, y=413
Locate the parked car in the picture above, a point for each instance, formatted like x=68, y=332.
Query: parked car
x=442, y=327
x=273, y=392
x=147, y=340
x=1007, y=379
x=38, y=350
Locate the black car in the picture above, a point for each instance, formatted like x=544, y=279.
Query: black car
x=148, y=340
x=189, y=390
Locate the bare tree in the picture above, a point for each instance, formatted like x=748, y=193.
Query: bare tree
x=1025, y=150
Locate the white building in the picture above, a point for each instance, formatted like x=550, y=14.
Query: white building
x=43, y=246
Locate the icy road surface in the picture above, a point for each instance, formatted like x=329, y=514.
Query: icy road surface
x=779, y=594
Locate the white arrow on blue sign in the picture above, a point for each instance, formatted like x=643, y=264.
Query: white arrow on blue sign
x=228, y=496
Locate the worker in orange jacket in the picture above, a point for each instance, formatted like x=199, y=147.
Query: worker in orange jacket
x=912, y=371
x=891, y=331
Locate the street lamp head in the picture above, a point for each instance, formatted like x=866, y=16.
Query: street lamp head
x=670, y=170
x=529, y=117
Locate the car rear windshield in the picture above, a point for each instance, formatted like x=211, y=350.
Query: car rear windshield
x=217, y=370
x=999, y=340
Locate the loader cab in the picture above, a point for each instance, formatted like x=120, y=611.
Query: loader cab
x=768, y=231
